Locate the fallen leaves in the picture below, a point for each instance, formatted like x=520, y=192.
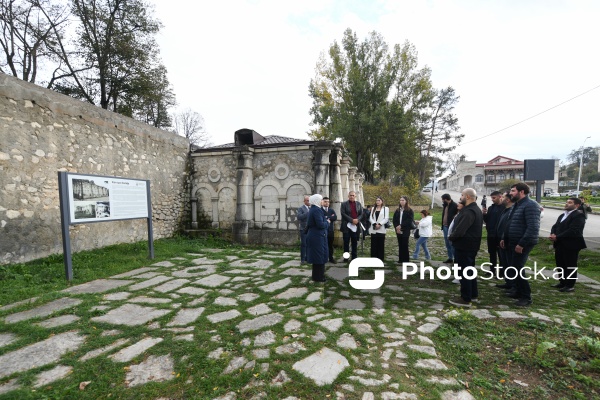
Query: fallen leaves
x=83, y=385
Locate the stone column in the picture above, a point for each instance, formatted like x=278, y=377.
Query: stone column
x=359, y=190
x=244, y=211
x=335, y=179
x=283, y=223
x=352, y=179
x=215, y=211
x=344, y=165
x=194, y=201
x=321, y=153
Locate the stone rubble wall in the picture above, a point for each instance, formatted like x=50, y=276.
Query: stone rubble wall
x=43, y=132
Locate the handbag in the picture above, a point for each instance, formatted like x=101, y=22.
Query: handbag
x=413, y=225
x=417, y=234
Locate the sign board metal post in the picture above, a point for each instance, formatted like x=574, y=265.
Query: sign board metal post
x=64, y=222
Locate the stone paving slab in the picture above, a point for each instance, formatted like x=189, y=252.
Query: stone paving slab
x=97, y=286
x=153, y=369
x=129, y=353
x=134, y=272
x=58, y=321
x=56, y=373
x=323, y=367
x=18, y=303
x=259, y=322
x=171, y=285
x=7, y=338
x=212, y=280
x=39, y=354
x=131, y=315
x=150, y=282
x=186, y=316
x=43, y=310
x=95, y=353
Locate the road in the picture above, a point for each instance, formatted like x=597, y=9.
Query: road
x=591, y=232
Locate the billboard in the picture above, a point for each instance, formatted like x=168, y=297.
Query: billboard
x=539, y=170
x=94, y=198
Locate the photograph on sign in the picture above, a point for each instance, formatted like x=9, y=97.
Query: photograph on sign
x=97, y=198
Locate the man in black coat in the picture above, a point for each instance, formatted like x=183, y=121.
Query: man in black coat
x=491, y=216
x=448, y=213
x=352, y=212
x=466, y=239
x=331, y=218
x=567, y=238
x=523, y=234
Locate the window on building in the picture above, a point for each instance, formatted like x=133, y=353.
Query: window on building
x=501, y=177
x=479, y=178
x=521, y=176
x=511, y=175
x=491, y=178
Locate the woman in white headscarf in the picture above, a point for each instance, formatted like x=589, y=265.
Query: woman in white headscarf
x=316, y=239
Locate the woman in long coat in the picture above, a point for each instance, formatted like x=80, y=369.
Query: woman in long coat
x=317, y=252
x=403, y=220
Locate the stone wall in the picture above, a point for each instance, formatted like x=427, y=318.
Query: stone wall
x=43, y=132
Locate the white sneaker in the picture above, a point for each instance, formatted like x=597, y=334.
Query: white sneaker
x=457, y=281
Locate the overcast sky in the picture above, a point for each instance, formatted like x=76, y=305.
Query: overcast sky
x=248, y=64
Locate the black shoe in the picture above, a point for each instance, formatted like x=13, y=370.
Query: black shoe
x=558, y=286
x=566, y=289
x=503, y=286
x=523, y=303
x=331, y=260
x=512, y=295
x=449, y=261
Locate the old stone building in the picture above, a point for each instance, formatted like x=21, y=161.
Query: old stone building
x=255, y=184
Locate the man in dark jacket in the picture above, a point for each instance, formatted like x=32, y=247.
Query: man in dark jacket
x=352, y=212
x=466, y=239
x=523, y=235
x=448, y=213
x=490, y=217
x=567, y=237
x=331, y=218
x=501, y=235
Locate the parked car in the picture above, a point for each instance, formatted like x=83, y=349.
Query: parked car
x=427, y=189
x=553, y=194
x=574, y=193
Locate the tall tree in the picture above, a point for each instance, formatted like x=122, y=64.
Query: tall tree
x=439, y=131
x=190, y=125
x=381, y=105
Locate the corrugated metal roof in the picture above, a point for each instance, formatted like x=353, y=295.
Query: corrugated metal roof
x=269, y=140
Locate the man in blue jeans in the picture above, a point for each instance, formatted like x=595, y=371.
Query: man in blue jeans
x=448, y=214
x=352, y=212
x=523, y=234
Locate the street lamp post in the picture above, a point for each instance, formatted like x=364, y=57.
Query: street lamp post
x=581, y=162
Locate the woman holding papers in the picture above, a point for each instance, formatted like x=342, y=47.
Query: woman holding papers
x=404, y=218
x=380, y=215
x=317, y=252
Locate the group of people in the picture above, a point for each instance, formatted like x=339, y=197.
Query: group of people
x=316, y=225
x=512, y=223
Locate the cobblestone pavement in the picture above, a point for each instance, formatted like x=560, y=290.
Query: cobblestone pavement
x=173, y=301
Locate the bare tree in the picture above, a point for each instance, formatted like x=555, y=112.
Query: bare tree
x=29, y=30
x=190, y=125
x=452, y=160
